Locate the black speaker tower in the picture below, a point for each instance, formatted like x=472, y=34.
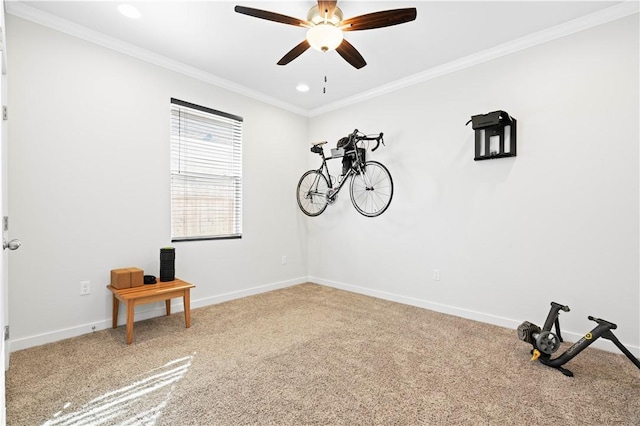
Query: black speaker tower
x=167, y=264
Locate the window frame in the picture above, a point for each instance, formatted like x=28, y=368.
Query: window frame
x=237, y=213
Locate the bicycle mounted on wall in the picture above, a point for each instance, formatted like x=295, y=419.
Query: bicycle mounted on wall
x=371, y=186
x=545, y=342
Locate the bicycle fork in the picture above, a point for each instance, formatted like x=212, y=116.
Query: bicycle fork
x=368, y=184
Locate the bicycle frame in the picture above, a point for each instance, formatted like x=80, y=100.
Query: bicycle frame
x=355, y=168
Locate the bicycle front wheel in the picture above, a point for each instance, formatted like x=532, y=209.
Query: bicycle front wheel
x=312, y=193
x=372, y=189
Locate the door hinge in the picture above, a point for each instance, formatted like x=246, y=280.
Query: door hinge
x=5, y=223
x=5, y=113
x=6, y=332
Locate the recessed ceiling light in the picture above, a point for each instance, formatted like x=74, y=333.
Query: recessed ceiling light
x=129, y=11
x=302, y=87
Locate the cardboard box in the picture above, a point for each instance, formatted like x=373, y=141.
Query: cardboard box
x=120, y=278
x=137, y=277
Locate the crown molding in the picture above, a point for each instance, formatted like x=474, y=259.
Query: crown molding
x=39, y=17
x=619, y=11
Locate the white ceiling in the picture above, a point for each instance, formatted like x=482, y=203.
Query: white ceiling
x=209, y=40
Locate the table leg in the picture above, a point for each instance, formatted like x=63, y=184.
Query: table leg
x=187, y=307
x=168, y=305
x=130, y=310
x=116, y=305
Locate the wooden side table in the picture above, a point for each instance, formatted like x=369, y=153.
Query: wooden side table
x=149, y=293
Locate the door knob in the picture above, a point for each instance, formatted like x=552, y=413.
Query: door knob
x=11, y=245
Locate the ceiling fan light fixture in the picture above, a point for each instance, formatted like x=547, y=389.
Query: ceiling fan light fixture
x=325, y=25
x=324, y=37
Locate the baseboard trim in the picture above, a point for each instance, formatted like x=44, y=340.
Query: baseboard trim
x=156, y=310
x=461, y=312
x=148, y=311
x=225, y=297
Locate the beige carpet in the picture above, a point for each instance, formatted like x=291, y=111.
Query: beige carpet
x=314, y=355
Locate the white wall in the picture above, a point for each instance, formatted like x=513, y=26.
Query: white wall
x=89, y=188
x=89, y=185
x=559, y=222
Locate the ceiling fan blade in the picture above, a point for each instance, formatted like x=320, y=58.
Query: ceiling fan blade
x=271, y=16
x=328, y=7
x=385, y=18
x=294, y=53
x=351, y=55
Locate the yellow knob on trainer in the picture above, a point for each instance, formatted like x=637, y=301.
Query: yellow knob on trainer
x=535, y=355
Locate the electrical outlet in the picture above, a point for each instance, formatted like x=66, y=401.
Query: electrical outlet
x=284, y=260
x=436, y=274
x=85, y=288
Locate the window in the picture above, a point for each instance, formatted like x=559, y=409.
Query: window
x=206, y=173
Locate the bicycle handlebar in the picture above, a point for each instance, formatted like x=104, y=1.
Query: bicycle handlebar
x=378, y=140
x=357, y=138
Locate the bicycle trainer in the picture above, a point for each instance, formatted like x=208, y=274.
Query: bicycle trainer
x=546, y=343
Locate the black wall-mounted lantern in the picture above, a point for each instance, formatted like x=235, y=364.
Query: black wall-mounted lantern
x=495, y=135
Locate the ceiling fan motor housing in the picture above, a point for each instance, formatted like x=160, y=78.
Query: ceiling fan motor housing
x=325, y=34
x=316, y=17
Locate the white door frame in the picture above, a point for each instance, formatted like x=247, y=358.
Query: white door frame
x=4, y=310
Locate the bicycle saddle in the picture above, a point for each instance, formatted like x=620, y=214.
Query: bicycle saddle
x=318, y=143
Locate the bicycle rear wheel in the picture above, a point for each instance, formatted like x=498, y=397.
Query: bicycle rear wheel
x=312, y=193
x=372, y=189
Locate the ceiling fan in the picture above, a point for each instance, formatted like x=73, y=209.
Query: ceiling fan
x=325, y=28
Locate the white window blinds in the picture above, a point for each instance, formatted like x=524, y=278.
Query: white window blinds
x=206, y=173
